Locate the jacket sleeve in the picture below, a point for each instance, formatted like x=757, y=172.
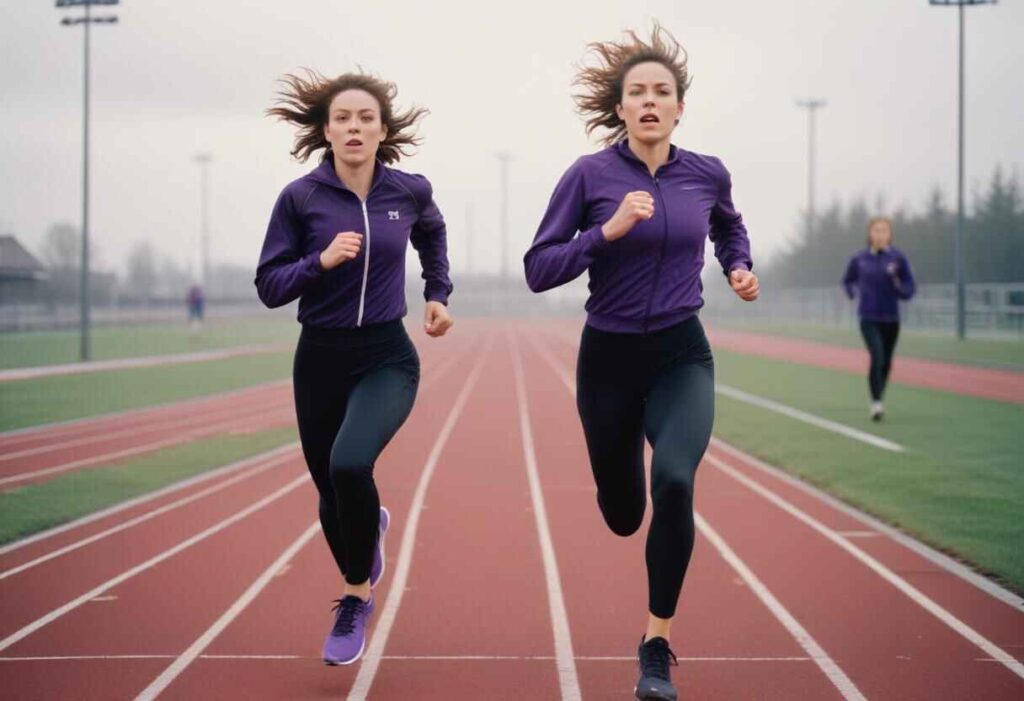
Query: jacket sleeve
x=904, y=279
x=728, y=233
x=283, y=273
x=557, y=254
x=429, y=237
x=850, y=278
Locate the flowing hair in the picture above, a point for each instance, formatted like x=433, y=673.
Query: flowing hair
x=305, y=101
x=602, y=84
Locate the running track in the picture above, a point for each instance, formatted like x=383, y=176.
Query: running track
x=502, y=581
x=1002, y=385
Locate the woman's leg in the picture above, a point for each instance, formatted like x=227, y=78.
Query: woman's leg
x=876, y=348
x=889, y=332
x=678, y=420
x=321, y=394
x=611, y=410
x=378, y=405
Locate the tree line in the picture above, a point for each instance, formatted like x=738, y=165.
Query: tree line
x=993, y=238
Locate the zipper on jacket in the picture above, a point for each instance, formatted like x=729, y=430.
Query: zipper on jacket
x=661, y=255
x=366, y=265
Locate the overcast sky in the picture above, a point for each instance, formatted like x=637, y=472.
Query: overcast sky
x=174, y=78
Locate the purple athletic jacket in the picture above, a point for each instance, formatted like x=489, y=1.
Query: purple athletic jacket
x=650, y=278
x=370, y=288
x=880, y=280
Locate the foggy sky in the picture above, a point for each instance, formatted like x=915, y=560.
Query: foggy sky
x=175, y=78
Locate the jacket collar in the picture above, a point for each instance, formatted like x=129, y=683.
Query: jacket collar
x=622, y=148
x=325, y=174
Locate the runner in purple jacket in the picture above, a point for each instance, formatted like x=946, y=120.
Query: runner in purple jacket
x=880, y=277
x=336, y=242
x=635, y=216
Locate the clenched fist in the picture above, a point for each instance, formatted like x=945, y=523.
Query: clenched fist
x=344, y=247
x=745, y=284
x=436, y=319
x=635, y=207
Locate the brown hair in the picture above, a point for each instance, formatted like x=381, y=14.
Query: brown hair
x=305, y=102
x=879, y=220
x=602, y=84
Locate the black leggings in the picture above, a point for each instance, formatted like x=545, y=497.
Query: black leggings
x=662, y=385
x=880, y=337
x=354, y=388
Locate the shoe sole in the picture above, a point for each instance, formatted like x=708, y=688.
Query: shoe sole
x=383, y=554
x=340, y=663
x=653, y=695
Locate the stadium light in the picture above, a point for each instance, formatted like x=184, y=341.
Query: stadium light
x=86, y=21
x=958, y=264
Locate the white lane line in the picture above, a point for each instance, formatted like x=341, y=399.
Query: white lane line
x=791, y=412
x=934, y=556
x=402, y=658
x=821, y=658
x=202, y=419
x=148, y=564
x=142, y=518
x=169, y=489
x=430, y=378
x=912, y=592
x=179, y=439
x=71, y=426
x=567, y=676
x=203, y=641
x=17, y=374
x=828, y=666
x=374, y=653
x=812, y=419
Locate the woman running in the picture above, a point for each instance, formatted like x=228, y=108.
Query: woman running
x=643, y=208
x=337, y=240
x=880, y=275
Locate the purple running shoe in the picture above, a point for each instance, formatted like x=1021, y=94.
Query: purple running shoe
x=377, y=568
x=347, y=639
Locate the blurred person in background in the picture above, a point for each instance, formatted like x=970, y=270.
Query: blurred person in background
x=636, y=216
x=195, y=302
x=337, y=242
x=879, y=276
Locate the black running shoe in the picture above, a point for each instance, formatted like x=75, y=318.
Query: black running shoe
x=654, y=657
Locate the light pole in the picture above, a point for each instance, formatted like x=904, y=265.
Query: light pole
x=203, y=159
x=811, y=105
x=958, y=264
x=86, y=21
x=503, y=158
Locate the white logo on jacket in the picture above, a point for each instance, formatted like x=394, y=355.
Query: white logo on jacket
x=393, y=214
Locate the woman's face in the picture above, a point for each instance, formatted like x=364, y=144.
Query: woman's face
x=880, y=235
x=354, y=127
x=650, y=106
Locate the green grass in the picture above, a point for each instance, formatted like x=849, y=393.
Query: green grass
x=994, y=353
x=34, y=348
x=48, y=399
x=36, y=507
x=958, y=486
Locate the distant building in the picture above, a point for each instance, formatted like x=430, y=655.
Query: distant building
x=21, y=274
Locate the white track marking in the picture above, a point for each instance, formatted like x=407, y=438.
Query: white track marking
x=149, y=564
x=567, y=675
x=912, y=592
x=375, y=651
x=203, y=641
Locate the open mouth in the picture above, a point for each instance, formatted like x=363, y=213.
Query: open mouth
x=353, y=142
x=649, y=119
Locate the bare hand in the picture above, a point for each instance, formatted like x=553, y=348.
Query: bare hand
x=344, y=247
x=635, y=207
x=436, y=319
x=745, y=284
